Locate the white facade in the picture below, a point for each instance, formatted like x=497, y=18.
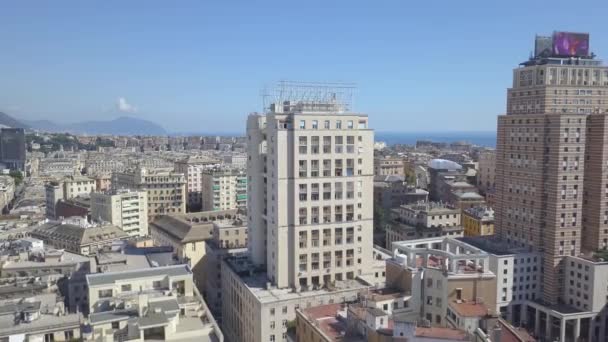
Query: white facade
x=125, y=209
x=310, y=178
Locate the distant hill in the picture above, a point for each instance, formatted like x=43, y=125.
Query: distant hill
x=124, y=125
x=8, y=121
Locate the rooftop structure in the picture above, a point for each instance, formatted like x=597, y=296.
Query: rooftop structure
x=155, y=303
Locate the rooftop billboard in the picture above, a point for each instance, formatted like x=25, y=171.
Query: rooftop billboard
x=569, y=44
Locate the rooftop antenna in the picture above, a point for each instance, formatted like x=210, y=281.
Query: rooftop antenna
x=340, y=94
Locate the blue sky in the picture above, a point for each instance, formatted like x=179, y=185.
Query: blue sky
x=201, y=65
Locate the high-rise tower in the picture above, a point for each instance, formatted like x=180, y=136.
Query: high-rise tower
x=310, y=172
x=541, y=142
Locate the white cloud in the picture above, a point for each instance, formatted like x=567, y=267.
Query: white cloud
x=123, y=106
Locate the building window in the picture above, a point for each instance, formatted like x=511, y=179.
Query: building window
x=105, y=293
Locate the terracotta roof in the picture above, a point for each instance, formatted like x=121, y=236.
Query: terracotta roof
x=183, y=230
x=510, y=333
x=325, y=316
x=441, y=333
x=471, y=309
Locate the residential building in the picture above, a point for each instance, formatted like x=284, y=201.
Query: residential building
x=229, y=241
x=193, y=169
x=388, y=166
x=50, y=266
x=518, y=275
x=7, y=191
x=42, y=317
x=78, y=239
x=236, y=160
x=448, y=280
x=12, y=148
x=66, y=188
x=166, y=190
x=159, y=303
x=188, y=233
x=224, y=189
x=451, y=183
x=486, y=171
x=477, y=221
x=79, y=206
x=423, y=220
x=125, y=209
x=393, y=191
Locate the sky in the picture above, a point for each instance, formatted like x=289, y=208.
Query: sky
x=200, y=66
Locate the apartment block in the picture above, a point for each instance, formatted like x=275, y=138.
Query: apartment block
x=423, y=220
x=193, y=169
x=224, y=189
x=123, y=208
x=387, y=166
x=66, y=188
x=477, y=221
x=448, y=280
x=189, y=235
x=159, y=303
x=166, y=190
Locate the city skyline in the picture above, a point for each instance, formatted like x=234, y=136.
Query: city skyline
x=181, y=67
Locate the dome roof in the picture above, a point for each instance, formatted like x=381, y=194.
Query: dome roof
x=443, y=164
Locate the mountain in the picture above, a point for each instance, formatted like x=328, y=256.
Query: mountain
x=124, y=125
x=8, y=121
x=46, y=126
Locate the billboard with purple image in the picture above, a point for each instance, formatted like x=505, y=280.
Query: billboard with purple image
x=569, y=44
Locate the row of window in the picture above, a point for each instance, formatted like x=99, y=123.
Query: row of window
x=314, y=124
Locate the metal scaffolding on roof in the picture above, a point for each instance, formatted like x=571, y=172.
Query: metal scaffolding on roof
x=339, y=94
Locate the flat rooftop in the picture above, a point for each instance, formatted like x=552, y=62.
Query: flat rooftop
x=110, y=278
x=441, y=333
x=324, y=317
x=493, y=245
x=256, y=280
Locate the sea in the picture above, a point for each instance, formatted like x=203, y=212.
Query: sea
x=479, y=138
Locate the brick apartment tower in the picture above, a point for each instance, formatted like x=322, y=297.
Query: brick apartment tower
x=554, y=104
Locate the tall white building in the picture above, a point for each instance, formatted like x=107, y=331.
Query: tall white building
x=310, y=193
x=125, y=209
x=310, y=196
